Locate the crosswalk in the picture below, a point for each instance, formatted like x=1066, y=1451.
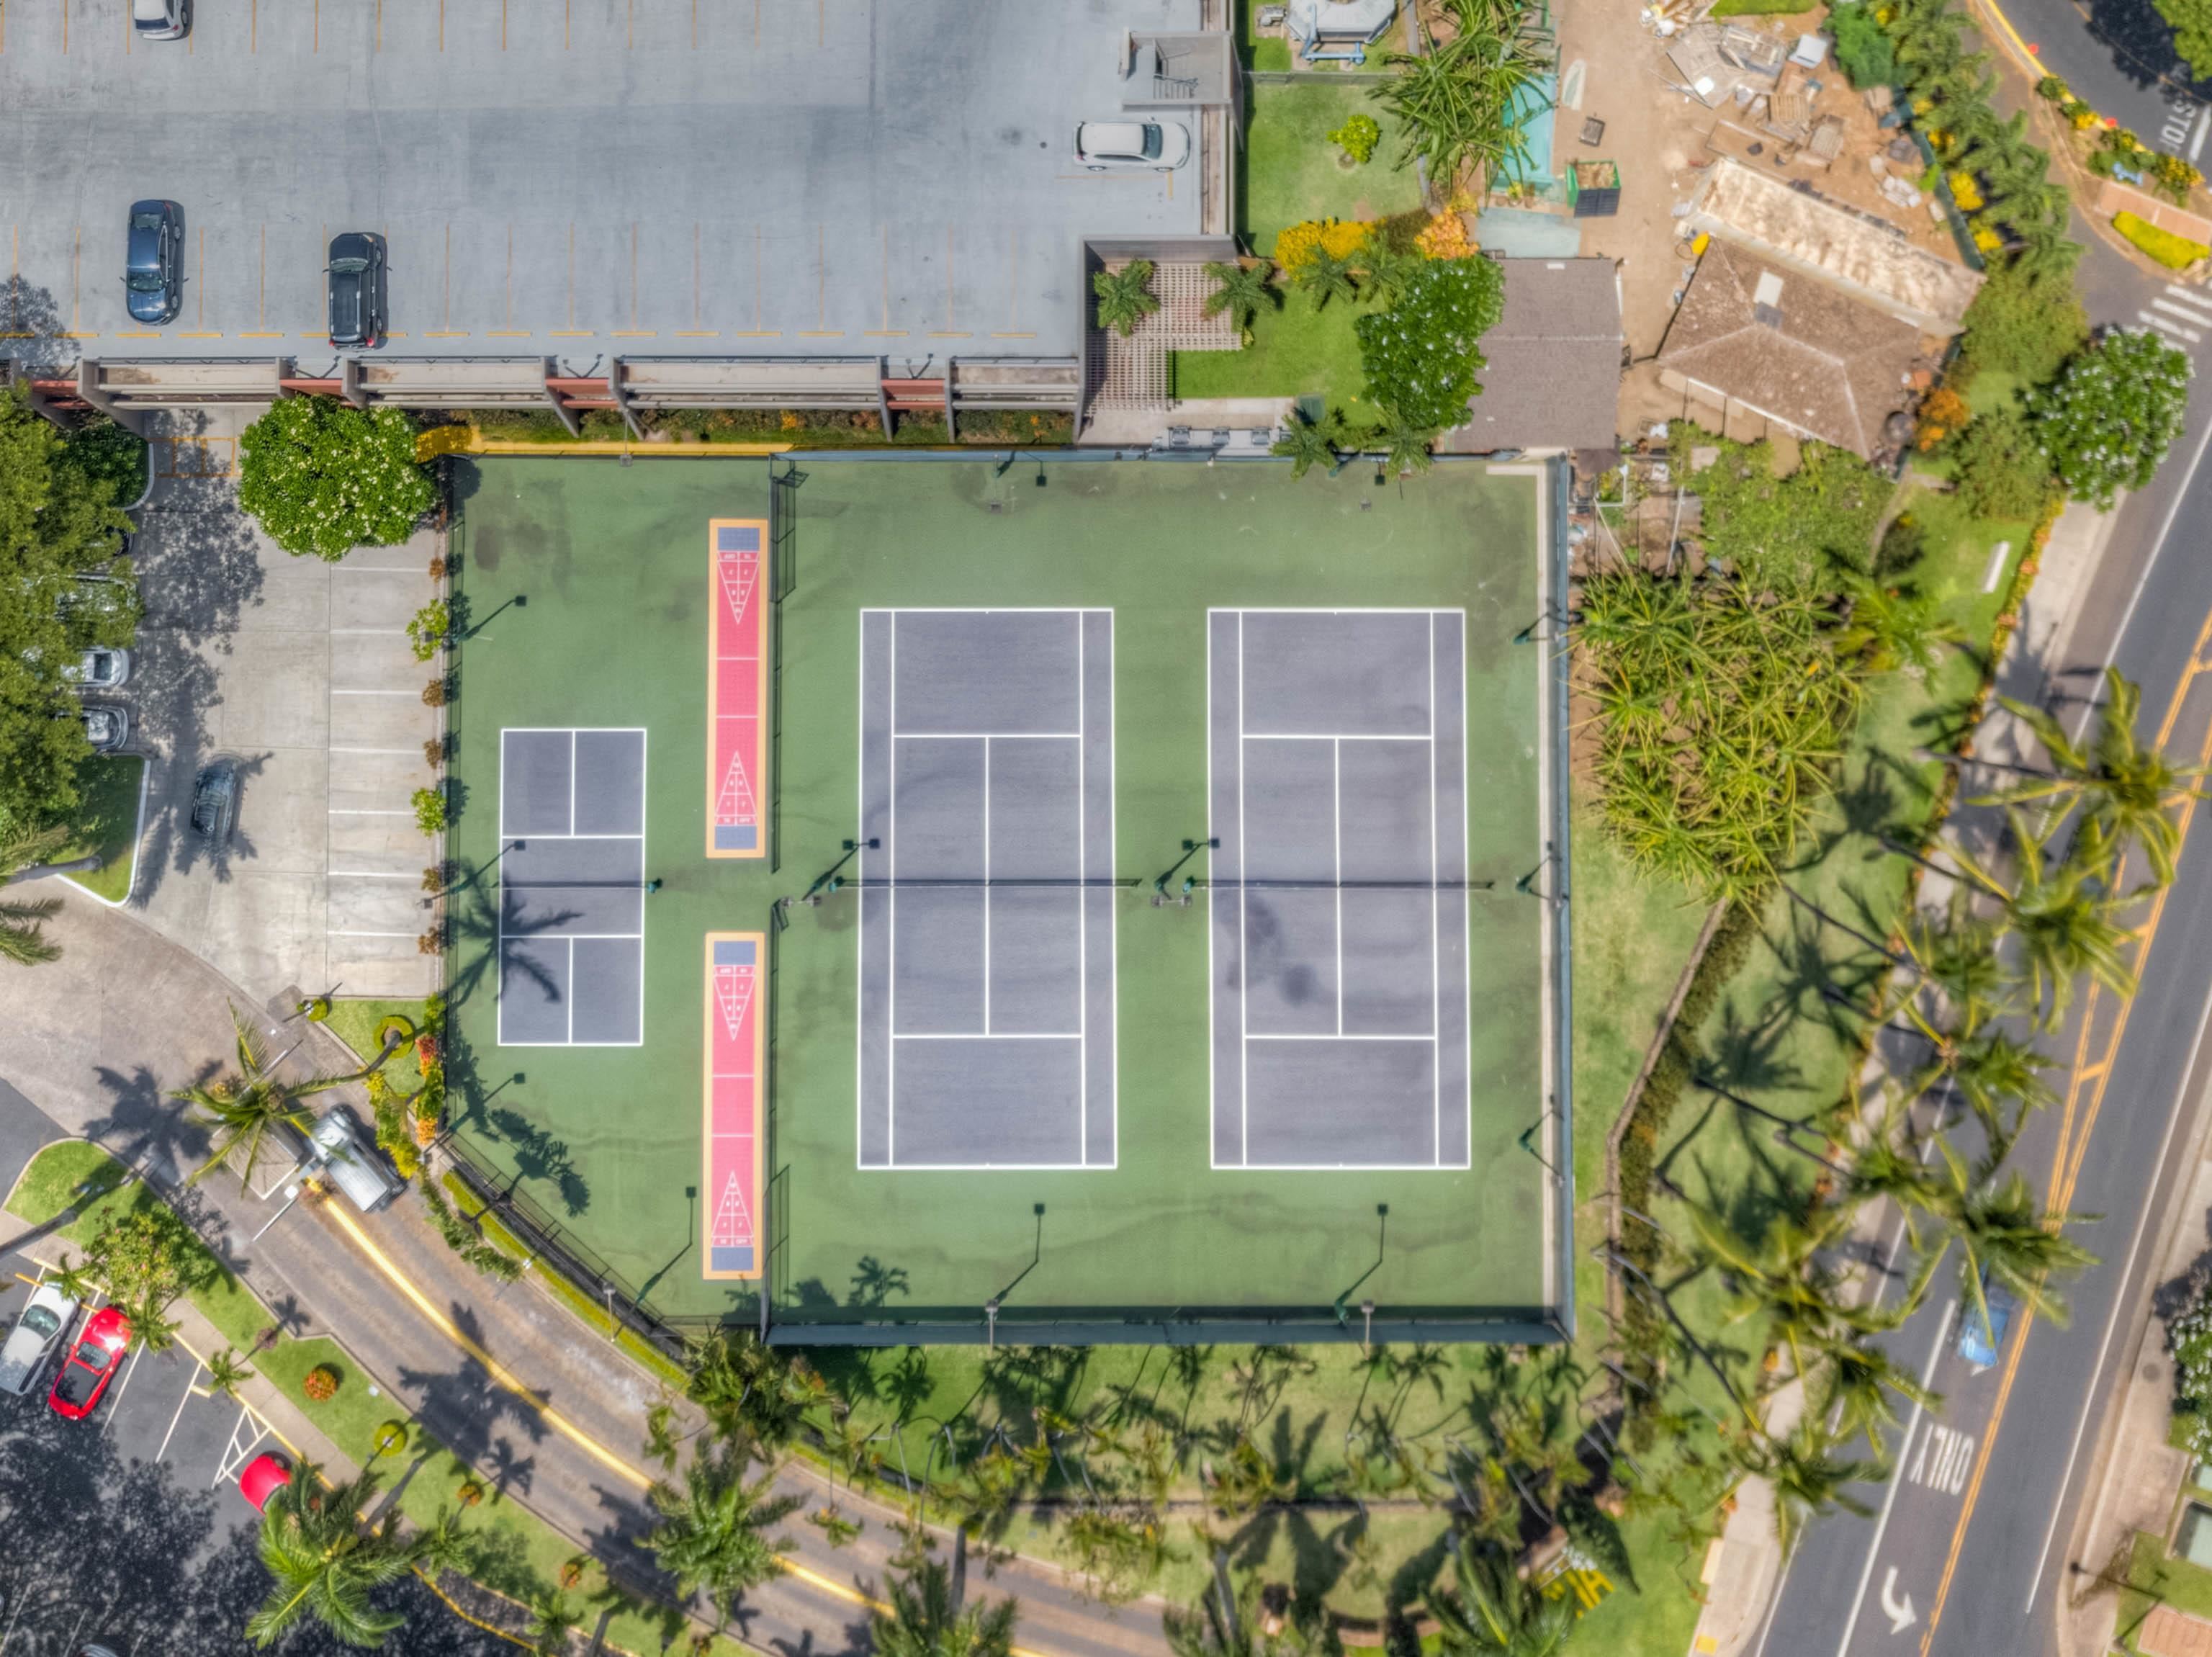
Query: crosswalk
x=2183, y=315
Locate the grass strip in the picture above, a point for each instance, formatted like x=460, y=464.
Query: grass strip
x=106, y=825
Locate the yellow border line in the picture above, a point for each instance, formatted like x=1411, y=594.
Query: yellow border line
x=758, y=1010
x=759, y=756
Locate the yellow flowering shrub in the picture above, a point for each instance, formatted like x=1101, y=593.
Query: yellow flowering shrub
x=1445, y=236
x=1965, y=191
x=1340, y=238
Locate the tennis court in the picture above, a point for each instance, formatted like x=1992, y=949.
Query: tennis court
x=572, y=887
x=986, y=906
x=1337, y=743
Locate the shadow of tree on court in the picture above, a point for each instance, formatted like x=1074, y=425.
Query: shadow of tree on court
x=538, y=1156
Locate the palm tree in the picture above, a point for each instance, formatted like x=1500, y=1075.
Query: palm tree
x=553, y=1617
x=1125, y=296
x=1861, y=1386
x=1326, y=275
x=74, y=1278
x=1493, y=1612
x=1893, y=627
x=21, y=939
x=1309, y=443
x=1405, y=445
x=2005, y=1238
x=711, y=1537
x=1807, y=1475
x=922, y=1616
x=2065, y=916
x=326, y=1564
x=1779, y=1280
x=1242, y=290
x=2119, y=783
x=749, y=1389
x=242, y=1108
x=226, y=1372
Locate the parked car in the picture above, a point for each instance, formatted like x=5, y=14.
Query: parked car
x=91, y=1364
x=100, y=668
x=107, y=726
x=263, y=1476
x=38, y=1330
x=215, y=801
x=154, y=261
x=336, y=1153
x=357, y=291
x=1163, y=146
x=161, y=19
x=1979, y=1343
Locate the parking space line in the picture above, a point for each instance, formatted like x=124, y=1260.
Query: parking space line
x=633, y=274
x=315, y=40
x=77, y=268
x=64, y=29
x=121, y=1387
x=199, y=296
x=446, y=304
x=502, y=25
x=177, y=1415
x=572, y=263
x=510, y=273
x=821, y=274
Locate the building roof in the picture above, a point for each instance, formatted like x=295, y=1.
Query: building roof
x=1807, y=232
x=1796, y=350
x=1554, y=378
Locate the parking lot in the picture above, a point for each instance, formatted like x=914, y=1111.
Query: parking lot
x=575, y=178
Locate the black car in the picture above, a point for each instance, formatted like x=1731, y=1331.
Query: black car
x=154, y=261
x=215, y=802
x=356, y=273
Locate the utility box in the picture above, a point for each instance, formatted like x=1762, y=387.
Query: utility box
x=1594, y=189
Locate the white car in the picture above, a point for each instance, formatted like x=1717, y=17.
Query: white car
x=1163, y=146
x=160, y=19
x=100, y=669
x=37, y=1332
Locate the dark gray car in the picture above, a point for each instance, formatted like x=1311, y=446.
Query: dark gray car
x=357, y=273
x=215, y=802
x=154, y=261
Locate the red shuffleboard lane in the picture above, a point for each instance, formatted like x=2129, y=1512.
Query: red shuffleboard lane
x=736, y=1117
x=737, y=686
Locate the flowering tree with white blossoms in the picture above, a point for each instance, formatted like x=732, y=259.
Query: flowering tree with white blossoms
x=320, y=476
x=2114, y=410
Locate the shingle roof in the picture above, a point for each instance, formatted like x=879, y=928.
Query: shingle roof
x=1553, y=378
x=1792, y=347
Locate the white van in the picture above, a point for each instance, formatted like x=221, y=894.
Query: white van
x=337, y=1156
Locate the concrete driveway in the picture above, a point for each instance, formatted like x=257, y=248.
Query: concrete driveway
x=301, y=673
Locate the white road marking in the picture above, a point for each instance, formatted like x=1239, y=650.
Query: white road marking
x=121, y=1387
x=1889, y=1497
x=2182, y=311
x=1899, y=1613
x=179, y=1414
x=2170, y=328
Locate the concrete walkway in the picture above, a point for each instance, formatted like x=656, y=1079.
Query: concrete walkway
x=499, y=1374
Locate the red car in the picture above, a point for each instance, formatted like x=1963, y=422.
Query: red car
x=91, y=1364
x=263, y=1476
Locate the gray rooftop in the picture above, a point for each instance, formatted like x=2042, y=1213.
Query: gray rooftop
x=1553, y=378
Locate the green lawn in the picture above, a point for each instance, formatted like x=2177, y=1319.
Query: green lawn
x=354, y=1022
x=106, y=825
x=1296, y=351
x=1290, y=171
x=1254, y=52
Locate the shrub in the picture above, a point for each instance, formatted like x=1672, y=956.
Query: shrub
x=430, y=810
x=1357, y=137
x=2175, y=252
x=2189, y=1337
x=1943, y=416
x=320, y=1384
x=391, y=1440
x=428, y=628
x=1342, y=238
x=1445, y=236
x=2114, y=410
x=468, y=1492
x=1863, y=50
x=321, y=476
x=1785, y=531
x=2002, y=472
x=2051, y=89
x=433, y=693
x=1420, y=355
x=2022, y=325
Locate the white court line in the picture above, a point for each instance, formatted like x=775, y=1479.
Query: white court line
x=1343, y=736
x=1244, y=933
x=990, y=1035
x=986, y=886
x=1436, y=896
x=1329, y=1035
x=890, y=960
x=1336, y=826
x=986, y=736
x=1082, y=905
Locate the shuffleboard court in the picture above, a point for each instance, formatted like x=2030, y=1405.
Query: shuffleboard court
x=1337, y=755
x=736, y=689
x=733, y=1149
x=572, y=887
x=986, y=901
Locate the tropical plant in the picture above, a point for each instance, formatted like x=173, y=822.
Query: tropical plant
x=1405, y=444
x=326, y=1564
x=1308, y=443
x=1892, y=625
x=1420, y=356
x=922, y=1616
x=2002, y=471
x=1793, y=530
x=1860, y=1387
x=2115, y=409
x=22, y=935
x=712, y=1534
x=1356, y=138
x=1808, y=1477
x=1862, y=49
x=430, y=813
x=2004, y=1237
x=750, y=1390
x=1491, y=1610
x=553, y=1618
x=241, y=1109
x=1463, y=102
x=2064, y=913
x=428, y=628
x=1242, y=290
x=322, y=477
x=1125, y=296
x=1325, y=276
x=2117, y=781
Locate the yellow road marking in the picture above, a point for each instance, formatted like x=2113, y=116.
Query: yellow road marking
x=2065, y=1172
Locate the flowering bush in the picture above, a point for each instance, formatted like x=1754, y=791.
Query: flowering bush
x=1341, y=238
x=2189, y=1335
x=2175, y=252
x=1420, y=354
x=322, y=477
x=1445, y=236
x=1357, y=137
x=320, y=1384
x=2114, y=410
x=1943, y=415
x=1965, y=191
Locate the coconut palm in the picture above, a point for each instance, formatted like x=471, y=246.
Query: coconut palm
x=1807, y=1475
x=923, y=1616
x=2064, y=913
x=1326, y=275
x=711, y=1535
x=1125, y=296
x=749, y=1389
x=2127, y=788
x=226, y=1372
x=1242, y=290
x=2004, y=1237
x=22, y=936
x=1994, y=1071
x=1860, y=1387
x=325, y=1563
x=1490, y=1610
x=1308, y=443
x=1891, y=627
x=243, y=1108
x=1778, y=1280
x=1404, y=444
x=553, y=1617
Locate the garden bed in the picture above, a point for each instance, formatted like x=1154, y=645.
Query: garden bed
x=105, y=825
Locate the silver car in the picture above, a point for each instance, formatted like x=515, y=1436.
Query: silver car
x=160, y=19
x=1160, y=146
x=100, y=668
x=33, y=1338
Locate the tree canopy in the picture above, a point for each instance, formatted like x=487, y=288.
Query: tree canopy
x=2114, y=410
x=321, y=476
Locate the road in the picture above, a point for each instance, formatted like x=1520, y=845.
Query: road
x=2118, y=55
x=1965, y=1552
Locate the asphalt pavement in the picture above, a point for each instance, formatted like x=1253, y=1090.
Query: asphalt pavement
x=1964, y=1552
x=2118, y=55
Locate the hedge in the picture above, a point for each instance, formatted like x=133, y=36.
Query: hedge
x=2175, y=252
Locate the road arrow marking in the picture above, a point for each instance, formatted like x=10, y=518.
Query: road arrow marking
x=1900, y=1612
